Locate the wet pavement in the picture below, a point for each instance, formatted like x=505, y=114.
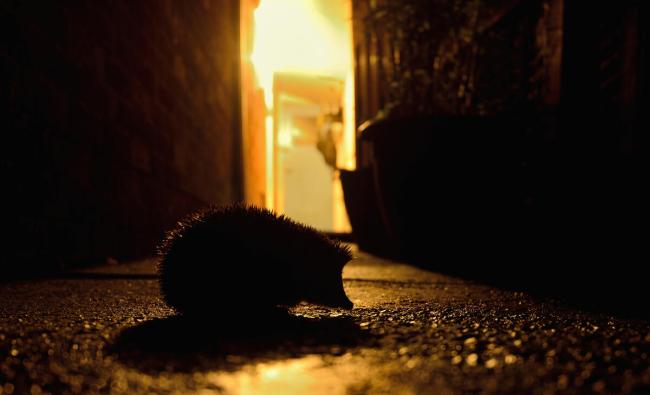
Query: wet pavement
x=410, y=332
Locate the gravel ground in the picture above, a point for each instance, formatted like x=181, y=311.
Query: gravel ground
x=411, y=332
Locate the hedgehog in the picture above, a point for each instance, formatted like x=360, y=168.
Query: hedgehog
x=240, y=258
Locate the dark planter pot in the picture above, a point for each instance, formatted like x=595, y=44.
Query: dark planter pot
x=449, y=189
x=360, y=198
x=475, y=197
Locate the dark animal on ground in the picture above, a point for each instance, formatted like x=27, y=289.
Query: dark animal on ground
x=239, y=258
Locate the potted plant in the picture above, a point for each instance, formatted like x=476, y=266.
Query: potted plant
x=446, y=160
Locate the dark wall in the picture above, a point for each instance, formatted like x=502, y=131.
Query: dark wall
x=551, y=194
x=119, y=117
x=605, y=75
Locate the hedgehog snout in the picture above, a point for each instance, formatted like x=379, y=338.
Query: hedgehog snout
x=343, y=299
x=336, y=297
x=346, y=303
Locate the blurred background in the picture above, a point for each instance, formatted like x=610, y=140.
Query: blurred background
x=417, y=129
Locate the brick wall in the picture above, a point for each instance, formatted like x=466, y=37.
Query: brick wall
x=120, y=116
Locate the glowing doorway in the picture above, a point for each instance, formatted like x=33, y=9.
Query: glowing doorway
x=301, y=57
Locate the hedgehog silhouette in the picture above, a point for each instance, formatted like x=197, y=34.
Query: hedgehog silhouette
x=240, y=258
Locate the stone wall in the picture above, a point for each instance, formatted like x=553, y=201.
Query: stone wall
x=120, y=117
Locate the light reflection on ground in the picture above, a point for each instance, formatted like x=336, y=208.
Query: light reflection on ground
x=410, y=332
x=306, y=375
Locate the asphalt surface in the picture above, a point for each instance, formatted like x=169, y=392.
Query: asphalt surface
x=411, y=331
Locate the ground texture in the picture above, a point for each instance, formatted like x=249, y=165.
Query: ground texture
x=410, y=332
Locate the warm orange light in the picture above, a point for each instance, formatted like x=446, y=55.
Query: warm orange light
x=347, y=157
x=303, y=37
x=293, y=36
x=270, y=202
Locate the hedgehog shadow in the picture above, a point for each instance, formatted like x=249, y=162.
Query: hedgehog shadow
x=183, y=344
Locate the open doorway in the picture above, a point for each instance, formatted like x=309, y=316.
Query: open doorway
x=298, y=107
